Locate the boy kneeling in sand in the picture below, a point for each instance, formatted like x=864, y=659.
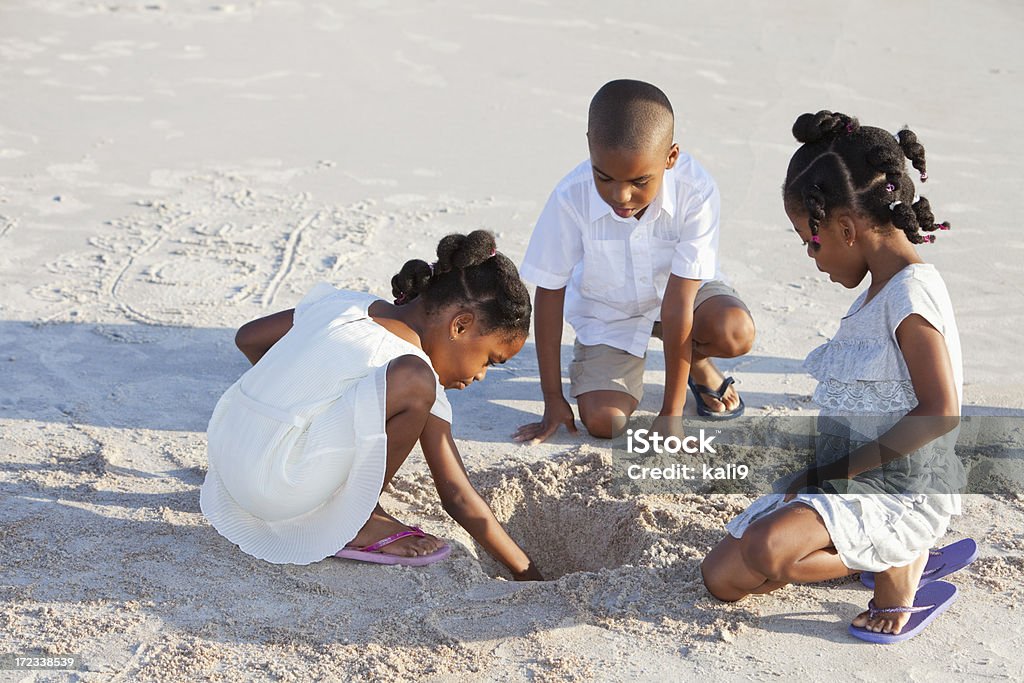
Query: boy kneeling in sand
x=627, y=247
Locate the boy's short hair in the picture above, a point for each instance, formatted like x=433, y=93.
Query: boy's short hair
x=630, y=115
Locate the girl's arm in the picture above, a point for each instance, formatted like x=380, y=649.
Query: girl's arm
x=937, y=411
x=464, y=504
x=255, y=338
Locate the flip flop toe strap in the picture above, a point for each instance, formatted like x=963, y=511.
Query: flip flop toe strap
x=375, y=547
x=716, y=394
x=875, y=611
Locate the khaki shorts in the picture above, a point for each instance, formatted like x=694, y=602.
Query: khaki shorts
x=606, y=368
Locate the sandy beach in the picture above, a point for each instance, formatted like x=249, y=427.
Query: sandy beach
x=172, y=169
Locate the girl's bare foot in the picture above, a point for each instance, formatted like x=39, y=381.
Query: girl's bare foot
x=381, y=525
x=894, y=587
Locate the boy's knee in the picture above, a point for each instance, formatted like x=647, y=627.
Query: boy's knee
x=601, y=422
x=605, y=413
x=412, y=383
x=735, y=333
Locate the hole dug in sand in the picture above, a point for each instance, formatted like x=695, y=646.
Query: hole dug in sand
x=564, y=517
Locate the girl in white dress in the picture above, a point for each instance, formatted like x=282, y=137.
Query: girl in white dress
x=341, y=389
x=890, y=388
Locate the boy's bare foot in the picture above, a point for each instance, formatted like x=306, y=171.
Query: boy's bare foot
x=704, y=372
x=894, y=587
x=381, y=525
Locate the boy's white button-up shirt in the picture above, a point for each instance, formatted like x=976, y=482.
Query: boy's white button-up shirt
x=614, y=269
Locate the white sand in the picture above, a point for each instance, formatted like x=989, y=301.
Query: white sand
x=170, y=170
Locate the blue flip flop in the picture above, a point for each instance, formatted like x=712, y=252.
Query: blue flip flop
x=702, y=408
x=942, y=562
x=930, y=602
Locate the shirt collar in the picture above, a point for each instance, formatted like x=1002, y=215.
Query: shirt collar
x=664, y=201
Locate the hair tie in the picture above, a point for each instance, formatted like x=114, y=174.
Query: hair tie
x=493, y=252
x=944, y=225
x=401, y=299
x=894, y=204
x=924, y=176
x=890, y=187
x=929, y=239
x=815, y=239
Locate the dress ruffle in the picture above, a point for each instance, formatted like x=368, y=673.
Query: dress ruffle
x=849, y=360
x=875, y=398
x=861, y=376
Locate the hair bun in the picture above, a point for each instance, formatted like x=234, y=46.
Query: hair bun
x=411, y=280
x=825, y=124
x=464, y=251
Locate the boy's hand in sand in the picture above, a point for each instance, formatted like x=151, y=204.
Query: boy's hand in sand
x=668, y=425
x=557, y=411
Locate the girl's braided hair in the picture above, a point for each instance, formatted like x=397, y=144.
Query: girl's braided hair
x=842, y=164
x=469, y=271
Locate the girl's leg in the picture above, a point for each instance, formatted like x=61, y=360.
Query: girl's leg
x=727, y=576
x=790, y=545
x=410, y=395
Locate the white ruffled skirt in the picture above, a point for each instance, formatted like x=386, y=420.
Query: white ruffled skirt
x=295, y=488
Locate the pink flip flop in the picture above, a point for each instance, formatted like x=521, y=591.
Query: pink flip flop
x=372, y=553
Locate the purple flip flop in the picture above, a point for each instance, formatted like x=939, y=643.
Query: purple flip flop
x=942, y=562
x=372, y=553
x=930, y=602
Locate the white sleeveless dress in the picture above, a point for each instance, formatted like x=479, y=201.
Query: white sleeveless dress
x=297, y=446
x=863, y=389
